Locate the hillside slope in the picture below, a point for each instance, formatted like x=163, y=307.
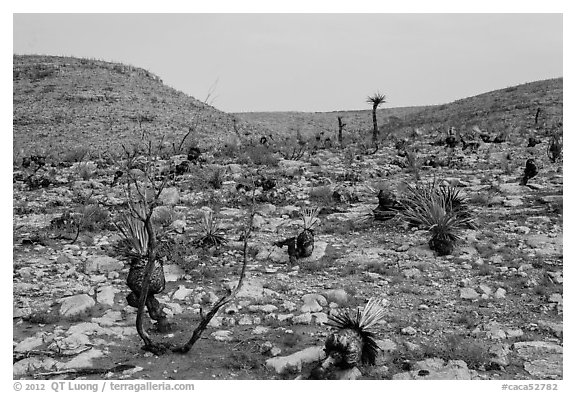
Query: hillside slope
x=512, y=109
x=63, y=103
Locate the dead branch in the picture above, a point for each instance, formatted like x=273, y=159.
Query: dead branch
x=86, y=371
x=205, y=320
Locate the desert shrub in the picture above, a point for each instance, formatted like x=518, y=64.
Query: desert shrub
x=243, y=361
x=85, y=171
x=94, y=218
x=77, y=154
x=216, y=177
x=321, y=194
x=164, y=216
x=261, y=155
x=473, y=351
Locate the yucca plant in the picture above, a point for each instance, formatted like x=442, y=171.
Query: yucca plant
x=555, y=148
x=136, y=236
x=211, y=236
x=305, y=239
x=302, y=245
x=353, y=343
x=440, y=210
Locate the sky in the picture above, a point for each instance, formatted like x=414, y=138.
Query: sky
x=311, y=62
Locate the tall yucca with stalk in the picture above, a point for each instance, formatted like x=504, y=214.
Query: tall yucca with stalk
x=441, y=210
x=353, y=343
x=211, y=229
x=376, y=100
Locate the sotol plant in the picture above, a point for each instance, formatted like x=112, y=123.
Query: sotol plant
x=211, y=229
x=439, y=209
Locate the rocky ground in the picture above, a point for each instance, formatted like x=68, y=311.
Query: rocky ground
x=492, y=310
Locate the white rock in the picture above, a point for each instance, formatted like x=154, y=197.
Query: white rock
x=302, y=319
x=77, y=304
x=468, y=293
x=102, y=264
x=28, y=344
x=182, y=293
x=222, y=335
x=105, y=295
x=295, y=361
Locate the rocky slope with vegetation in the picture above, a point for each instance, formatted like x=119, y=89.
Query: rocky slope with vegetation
x=490, y=309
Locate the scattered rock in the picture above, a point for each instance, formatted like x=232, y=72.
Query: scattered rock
x=302, y=319
x=105, y=295
x=542, y=359
x=295, y=361
x=409, y=331
x=102, y=264
x=222, y=335
x=438, y=369
x=313, y=303
x=338, y=296
x=469, y=294
x=182, y=293
x=77, y=304
x=170, y=196
x=553, y=327
x=29, y=343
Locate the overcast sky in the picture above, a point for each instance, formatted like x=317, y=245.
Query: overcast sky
x=311, y=62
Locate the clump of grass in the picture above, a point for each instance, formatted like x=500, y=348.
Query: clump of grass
x=217, y=178
x=439, y=209
x=456, y=347
x=242, y=361
x=164, y=216
x=321, y=194
x=261, y=155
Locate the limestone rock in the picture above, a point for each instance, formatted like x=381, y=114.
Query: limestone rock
x=77, y=304
x=295, y=361
x=102, y=264
x=468, y=293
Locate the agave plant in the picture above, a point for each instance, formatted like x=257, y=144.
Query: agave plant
x=441, y=210
x=353, y=343
x=211, y=229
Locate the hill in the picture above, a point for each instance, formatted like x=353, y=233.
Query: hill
x=511, y=109
x=63, y=103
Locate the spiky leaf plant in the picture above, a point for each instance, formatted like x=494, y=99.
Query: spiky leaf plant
x=353, y=343
x=440, y=210
x=305, y=239
x=210, y=229
x=134, y=233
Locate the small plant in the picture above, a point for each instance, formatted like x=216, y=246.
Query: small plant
x=302, y=245
x=261, y=155
x=555, y=148
x=217, y=178
x=322, y=194
x=211, y=229
x=354, y=341
x=136, y=235
x=442, y=211
x=85, y=171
